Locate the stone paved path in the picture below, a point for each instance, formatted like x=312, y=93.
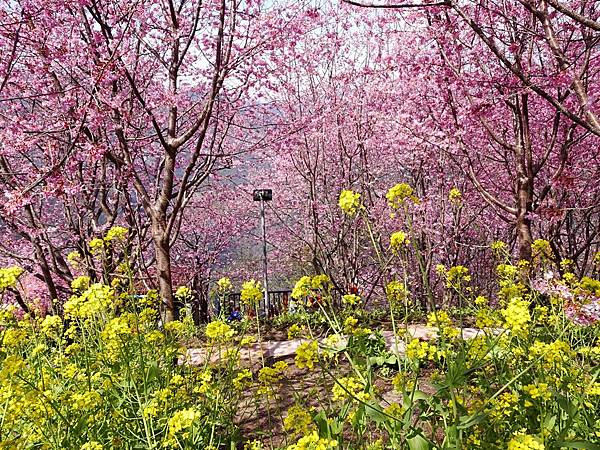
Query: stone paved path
x=275, y=350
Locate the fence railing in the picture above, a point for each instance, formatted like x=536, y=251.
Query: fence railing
x=280, y=302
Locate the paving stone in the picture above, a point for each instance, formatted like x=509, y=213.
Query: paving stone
x=274, y=350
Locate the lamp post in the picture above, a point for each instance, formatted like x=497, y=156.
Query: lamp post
x=262, y=196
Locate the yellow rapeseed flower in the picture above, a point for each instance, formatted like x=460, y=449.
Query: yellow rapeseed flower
x=516, y=316
x=182, y=420
x=9, y=277
x=80, y=283
x=97, y=299
x=116, y=234
x=224, y=285
x=74, y=258
x=51, y=326
x=96, y=245
x=349, y=202
x=251, y=293
x=306, y=355
x=455, y=196
x=302, y=288
x=539, y=390
x=219, y=331
x=522, y=441
x=298, y=421
x=398, y=240
x=399, y=194
x=351, y=299
x=312, y=441
x=349, y=388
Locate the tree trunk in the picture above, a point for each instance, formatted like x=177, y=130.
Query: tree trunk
x=524, y=205
x=47, y=275
x=163, y=268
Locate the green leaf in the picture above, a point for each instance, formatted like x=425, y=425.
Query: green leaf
x=577, y=444
x=152, y=372
x=469, y=421
x=549, y=423
x=377, y=360
x=336, y=427
x=374, y=413
x=418, y=442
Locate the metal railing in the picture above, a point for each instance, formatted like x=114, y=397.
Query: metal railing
x=279, y=302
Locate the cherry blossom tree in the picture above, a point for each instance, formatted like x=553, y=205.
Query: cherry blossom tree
x=511, y=87
x=150, y=91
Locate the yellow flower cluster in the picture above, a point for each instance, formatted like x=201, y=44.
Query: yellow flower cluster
x=539, y=390
x=219, y=331
x=271, y=375
x=174, y=327
x=421, y=350
x=442, y=321
x=97, y=299
x=251, y=293
x=349, y=202
x=516, y=316
x=182, y=420
x=116, y=234
x=395, y=410
x=332, y=344
x=503, y=406
x=398, y=240
x=9, y=277
x=552, y=354
x=247, y=341
x=183, y=293
x=74, y=258
x=455, y=196
x=457, y=277
x=306, y=355
x=350, y=324
x=349, y=388
x=499, y=248
x=481, y=301
x=312, y=441
x=399, y=194
x=306, y=286
x=13, y=338
x=593, y=389
x=80, y=283
x=294, y=331
x=242, y=379
x=507, y=272
x=321, y=282
x=522, y=441
x=51, y=326
x=96, y=246
x=439, y=318
x=224, y=285
x=351, y=299
x=302, y=288
x=114, y=333
x=541, y=249
x=403, y=381
x=86, y=401
x=396, y=293
x=298, y=421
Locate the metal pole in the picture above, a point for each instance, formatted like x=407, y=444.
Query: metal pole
x=265, y=274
